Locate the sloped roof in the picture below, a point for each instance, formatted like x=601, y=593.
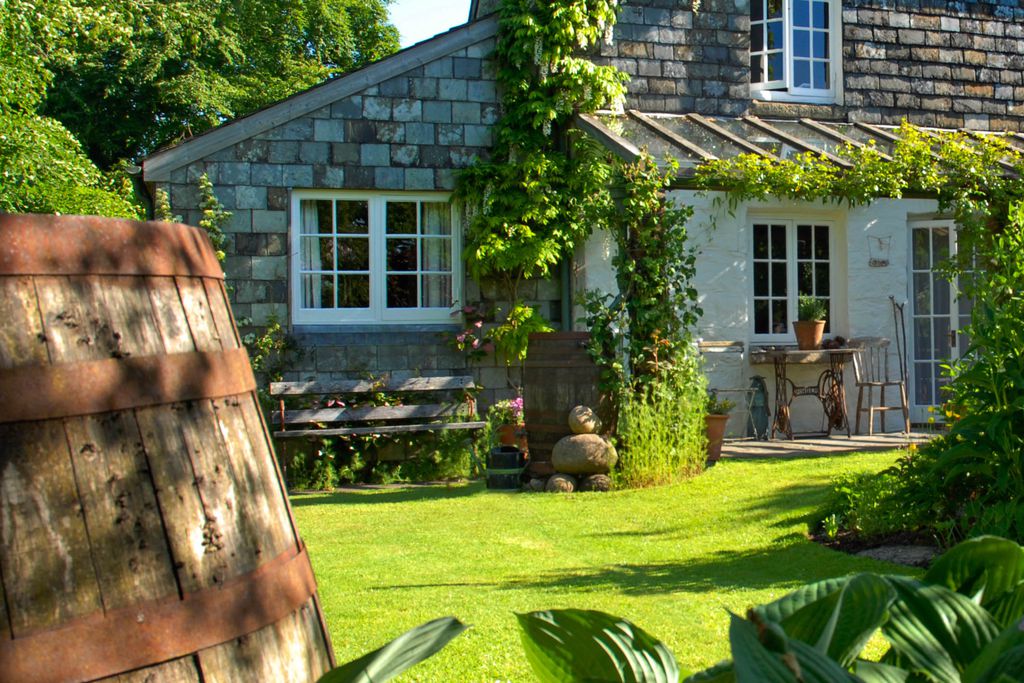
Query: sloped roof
x=692, y=139
x=159, y=164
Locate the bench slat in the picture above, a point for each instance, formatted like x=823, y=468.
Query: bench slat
x=413, y=384
x=382, y=429
x=371, y=413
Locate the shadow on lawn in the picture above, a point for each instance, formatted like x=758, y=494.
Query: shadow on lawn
x=724, y=570
x=365, y=495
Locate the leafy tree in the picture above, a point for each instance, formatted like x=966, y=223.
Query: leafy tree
x=177, y=68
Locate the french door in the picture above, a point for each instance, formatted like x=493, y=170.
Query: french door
x=937, y=313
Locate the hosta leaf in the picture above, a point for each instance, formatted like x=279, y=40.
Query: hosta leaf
x=1010, y=640
x=752, y=661
x=1009, y=667
x=873, y=672
x=838, y=616
x=816, y=667
x=934, y=630
x=584, y=645
x=986, y=567
x=408, y=649
x=719, y=673
x=1009, y=607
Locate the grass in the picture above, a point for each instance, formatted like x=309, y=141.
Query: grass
x=670, y=559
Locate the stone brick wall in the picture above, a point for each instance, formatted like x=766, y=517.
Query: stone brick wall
x=945, y=64
x=918, y=59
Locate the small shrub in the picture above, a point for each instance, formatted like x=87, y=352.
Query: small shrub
x=661, y=433
x=871, y=504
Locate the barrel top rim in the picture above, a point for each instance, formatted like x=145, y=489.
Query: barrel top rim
x=40, y=244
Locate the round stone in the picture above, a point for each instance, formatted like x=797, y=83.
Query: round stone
x=583, y=420
x=561, y=483
x=583, y=454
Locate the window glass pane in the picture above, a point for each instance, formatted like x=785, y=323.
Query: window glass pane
x=317, y=254
x=940, y=291
x=311, y=215
x=820, y=75
x=353, y=291
x=317, y=291
x=401, y=291
x=401, y=218
x=923, y=381
x=437, y=291
x=940, y=245
x=805, y=278
x=775, y=40
x=801, y=74
x=821, y=280
x=761, y=279
x=820, y=41
x=755, y=70
x=437, y=219
x=761, y=241
x=778, y=242
x=940, y=340
x=804, y=248
x=801, y=44
x=436, y=254
x=801, y=13
x=821, y=242
x=774, y=8
x=757, y=38
x=922, y=294
x=820, y=14
x=780, y=320
x=354, y=253
x=353, y=217
x=762, y=322
x=776, y=67
x=757, y=10
x=401, y=254
x=922, y=338
x=323, y=217
x=779, y=279
x=921, y=253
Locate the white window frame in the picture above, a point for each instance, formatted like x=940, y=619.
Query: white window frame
x=378, y=312
x=792, y=277
x=783, y=90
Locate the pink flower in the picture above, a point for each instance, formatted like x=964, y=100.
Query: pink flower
x=478, y=324
x=476, y=343
x=461, y=338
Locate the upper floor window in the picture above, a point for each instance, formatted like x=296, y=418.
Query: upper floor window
x=373, y=258
x=795, y=51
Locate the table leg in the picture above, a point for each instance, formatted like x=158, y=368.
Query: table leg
x=783, y=399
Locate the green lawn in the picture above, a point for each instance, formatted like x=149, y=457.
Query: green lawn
x=670, y=559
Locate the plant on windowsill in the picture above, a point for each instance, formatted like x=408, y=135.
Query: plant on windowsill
x=809, y=327
x=715, y=421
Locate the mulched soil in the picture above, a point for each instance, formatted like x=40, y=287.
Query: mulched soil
x=905, y=548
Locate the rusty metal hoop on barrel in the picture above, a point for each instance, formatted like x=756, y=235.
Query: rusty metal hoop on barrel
x=145, y=532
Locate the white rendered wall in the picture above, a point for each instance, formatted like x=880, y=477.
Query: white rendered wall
x=860, y=295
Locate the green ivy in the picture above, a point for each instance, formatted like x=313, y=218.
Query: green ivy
x=544, y=187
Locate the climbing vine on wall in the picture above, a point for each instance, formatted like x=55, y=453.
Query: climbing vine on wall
x=544, y=187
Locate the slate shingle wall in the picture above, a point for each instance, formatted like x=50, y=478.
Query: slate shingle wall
x=937, y=63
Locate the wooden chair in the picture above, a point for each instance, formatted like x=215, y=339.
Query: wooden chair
x=871, y=371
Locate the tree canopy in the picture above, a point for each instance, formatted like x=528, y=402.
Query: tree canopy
x=87, y=84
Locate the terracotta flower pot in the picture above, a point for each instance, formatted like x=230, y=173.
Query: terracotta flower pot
x=808, y=334
x=512, y=435
x=715, y=426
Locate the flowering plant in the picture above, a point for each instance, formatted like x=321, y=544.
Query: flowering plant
x=507, y=411
x=472, y=340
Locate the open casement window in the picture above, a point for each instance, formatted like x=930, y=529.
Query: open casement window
x=359, y=258
x=795, y=50
x=790, y=258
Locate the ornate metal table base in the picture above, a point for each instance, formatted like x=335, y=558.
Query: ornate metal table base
x=829, y=388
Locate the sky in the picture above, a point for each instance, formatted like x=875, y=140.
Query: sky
x=418, y=20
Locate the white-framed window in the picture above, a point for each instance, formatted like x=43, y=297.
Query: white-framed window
x=796, y=50
x=359, y=257
x=790, y=258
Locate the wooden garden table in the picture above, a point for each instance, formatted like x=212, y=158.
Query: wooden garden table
x=829, y=388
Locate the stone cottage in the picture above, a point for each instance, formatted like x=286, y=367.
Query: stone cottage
x=342, y=228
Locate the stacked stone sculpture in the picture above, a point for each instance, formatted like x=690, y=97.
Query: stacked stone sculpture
x=581, y=461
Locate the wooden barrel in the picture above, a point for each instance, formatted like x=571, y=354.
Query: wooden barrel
x=559, y=375
x=144, y=528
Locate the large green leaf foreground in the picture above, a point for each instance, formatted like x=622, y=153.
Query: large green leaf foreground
x=963, y=622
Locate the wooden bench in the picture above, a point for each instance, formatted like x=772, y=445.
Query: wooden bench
x=456, y=412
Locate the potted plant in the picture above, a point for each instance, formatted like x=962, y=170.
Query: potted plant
x=809, y=327
x=506, y=418
x=714, y=422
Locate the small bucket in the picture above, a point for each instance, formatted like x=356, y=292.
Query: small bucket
x=505, y=468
